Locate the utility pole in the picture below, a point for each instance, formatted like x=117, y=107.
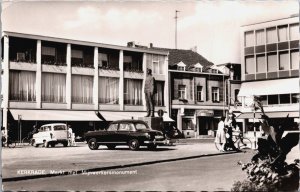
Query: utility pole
x=176, y=11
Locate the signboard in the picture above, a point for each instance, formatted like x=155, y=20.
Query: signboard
x=205, y=113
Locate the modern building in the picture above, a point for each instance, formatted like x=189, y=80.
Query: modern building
x=270, y=70
x=85, y=84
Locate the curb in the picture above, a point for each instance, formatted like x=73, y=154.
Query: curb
x=77, y=172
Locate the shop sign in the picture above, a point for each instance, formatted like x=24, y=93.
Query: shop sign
x=205, y=113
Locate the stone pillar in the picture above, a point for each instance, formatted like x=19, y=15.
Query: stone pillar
x=96, y=82
x=38, y=79
x=5, y=83
x=69, y=78
x=121, y=82
x=145, y=75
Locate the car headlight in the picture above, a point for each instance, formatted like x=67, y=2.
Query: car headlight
x=148, y=135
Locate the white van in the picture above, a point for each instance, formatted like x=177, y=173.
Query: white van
x=50, y=135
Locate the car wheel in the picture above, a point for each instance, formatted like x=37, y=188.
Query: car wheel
x=152, y=147
x=92, y=143
x=111, y=146
x=34, y=143
x=65, y=144
x=46, y=144
x=134, y=144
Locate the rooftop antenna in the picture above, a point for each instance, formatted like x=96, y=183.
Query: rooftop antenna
x=176, y=11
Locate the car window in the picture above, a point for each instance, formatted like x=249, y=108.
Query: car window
x=131, y=127
x=124, y=127
x=41, y=129
x=113, y=127
x=59, y=127
x=141, y=126
x=48, y=128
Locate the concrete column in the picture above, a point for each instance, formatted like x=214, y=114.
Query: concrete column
x=68, y=78
x=5, y=80
x=167, y=87
x=121, y=81
x=38, y=79
x=145, y=75
x=96, y=77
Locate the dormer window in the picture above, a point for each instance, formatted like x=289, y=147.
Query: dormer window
x=181, y=66
x=198, y=67
x=214, y=70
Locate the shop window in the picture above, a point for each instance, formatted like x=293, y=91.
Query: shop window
x=285, y=98
x=273, y=99
x=187, y=124
x=295, y=98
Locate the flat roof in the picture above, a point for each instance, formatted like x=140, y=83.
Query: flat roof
x=292, y=16
x=86, y=43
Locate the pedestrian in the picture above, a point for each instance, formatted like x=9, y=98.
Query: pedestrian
x=71, y=136
x=150, y=90
x=229, y=133
x=3, y=135
x=220, y=136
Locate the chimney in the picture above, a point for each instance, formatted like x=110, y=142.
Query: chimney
x=151, y=45
x=131, y=44
x=194, y=49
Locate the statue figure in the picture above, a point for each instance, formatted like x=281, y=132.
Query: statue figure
x=150, y=90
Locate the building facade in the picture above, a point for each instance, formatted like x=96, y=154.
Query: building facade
x=270, y=70
x=85, y=84
x=198, y=93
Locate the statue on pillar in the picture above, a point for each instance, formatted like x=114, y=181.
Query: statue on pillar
x=150, y=91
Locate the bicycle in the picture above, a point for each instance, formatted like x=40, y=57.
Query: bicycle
x=239, y=141
x=27, y=141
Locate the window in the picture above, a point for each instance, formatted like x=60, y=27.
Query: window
x=260, y=37
x=133, y=92
x=159, y=96
x=181, y=91
x=261, y=64
x=48, y=55
x=53, y=87
x=283, y=61
x=127, y=63
x=273, y=99
x=295, y=59
x=124, y=127
x=108, y=91
x=285, y=98
x=271, y=35
x=295, y=97
x=140, y=126
x=156, y=63
x=215, y=94
x=187, y=124
x=48, y=51
x=59, y=127
x=272, y=62
x=214, y=71
x=249, y=39
x=294, y=31
x=236, y=93
x=199, y=93
x=82, y=89
x=22, y=86
x=283, y=33
x=77, y=57
x=198, y=69
x=181, y=68
x=102, y=60
x=249, y=65
x=113, y=127
x=264, y=99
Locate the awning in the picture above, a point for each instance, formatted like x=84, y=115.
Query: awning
x=118, y=115
x=269, y=114
x=54, y=115
x=270, y=87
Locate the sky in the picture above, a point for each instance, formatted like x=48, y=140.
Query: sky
x=212, y=26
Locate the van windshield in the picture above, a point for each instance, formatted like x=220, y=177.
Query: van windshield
x=59, y=127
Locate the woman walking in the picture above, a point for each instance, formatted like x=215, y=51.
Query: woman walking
x=220, y=136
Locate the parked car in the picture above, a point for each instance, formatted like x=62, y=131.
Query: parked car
x=50, y=135
x=134, y=133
